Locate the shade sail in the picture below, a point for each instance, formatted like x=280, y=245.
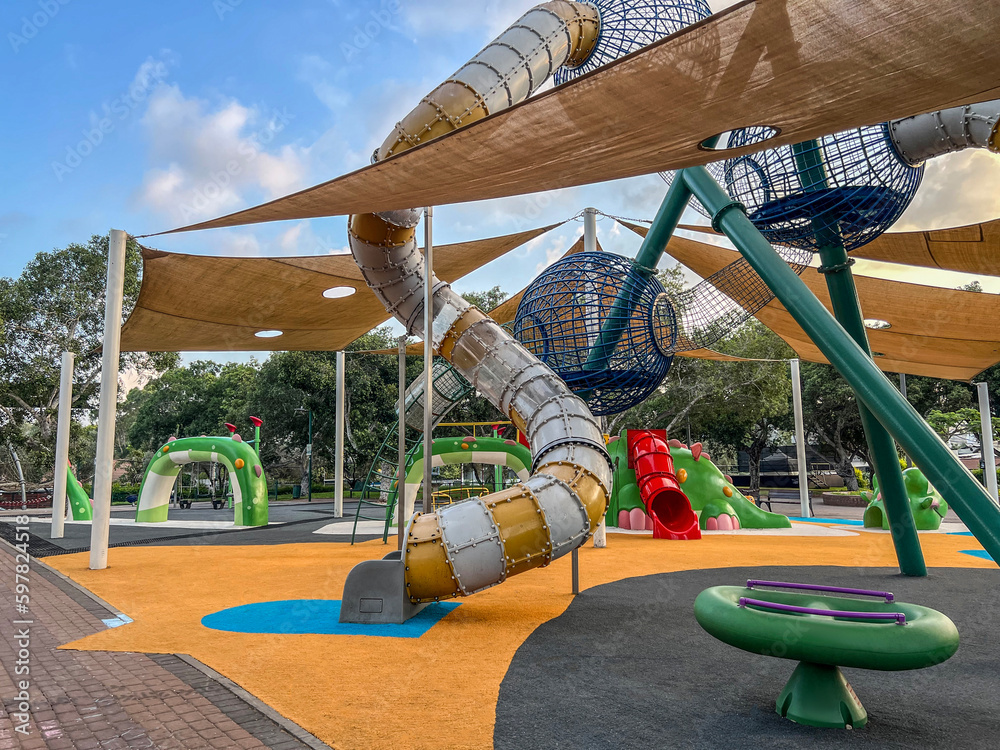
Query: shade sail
x=204, y=303
x=941, y=333
x=806, y=67
x=974, y=248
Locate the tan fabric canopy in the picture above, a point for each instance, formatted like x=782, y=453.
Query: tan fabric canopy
x=807, y=67
x=941, y=333
x=974, y=248
x=204, y=303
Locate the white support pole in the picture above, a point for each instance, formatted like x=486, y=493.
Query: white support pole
x=428, y=355
x=800, y=440
x=62, y=446
x=590, y=246
x=590, y=230
x=105, y=464
x=338, y=470
x=986, y=444
x=401, y=509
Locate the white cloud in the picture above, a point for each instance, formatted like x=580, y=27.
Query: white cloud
x=211, y=160
x=958, y=189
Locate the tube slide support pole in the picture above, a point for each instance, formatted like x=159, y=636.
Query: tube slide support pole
x=62, y=446
x=338, y=489
x=105, y=464
x=963, y=491
x=800, y=440
x=401, y=437
x=575, y=565
x=428, y=356
x=885, y=459
x=986, y=444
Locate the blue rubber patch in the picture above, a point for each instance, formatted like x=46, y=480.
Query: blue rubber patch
x=977, y=553
x=838, y=521
x=317, y=617
x=959, y=533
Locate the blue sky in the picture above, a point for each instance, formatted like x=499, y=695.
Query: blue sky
x=126, y=115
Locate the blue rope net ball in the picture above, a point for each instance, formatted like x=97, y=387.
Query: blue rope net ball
x=563, y=311
x=848, y=187
x=629, y=25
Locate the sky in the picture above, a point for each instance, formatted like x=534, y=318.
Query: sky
x=132, y=115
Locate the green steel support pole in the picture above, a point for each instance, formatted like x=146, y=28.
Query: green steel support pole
x=963, y=491
x=847, y=310
x=654, y=244
x=885, y=460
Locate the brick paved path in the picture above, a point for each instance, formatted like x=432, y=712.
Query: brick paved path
x=106, y=700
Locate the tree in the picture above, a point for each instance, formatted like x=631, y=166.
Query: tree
x=486, y=300
x=962, y=422
x=57, y=304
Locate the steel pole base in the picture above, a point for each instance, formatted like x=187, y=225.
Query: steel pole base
x=820, y=696
x=375, y=593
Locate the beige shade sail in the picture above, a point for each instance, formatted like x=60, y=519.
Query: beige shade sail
x=974, y=248
x=940, y=333
x=206, y=303
x=805, y=67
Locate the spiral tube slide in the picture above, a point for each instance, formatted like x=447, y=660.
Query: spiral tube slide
x=471, y=546
x=925, y=136
x=659, y=486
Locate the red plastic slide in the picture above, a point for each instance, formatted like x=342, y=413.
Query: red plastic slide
x=666, y=504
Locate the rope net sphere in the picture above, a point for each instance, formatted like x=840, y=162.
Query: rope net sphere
x=566, y=308
x=629, y=25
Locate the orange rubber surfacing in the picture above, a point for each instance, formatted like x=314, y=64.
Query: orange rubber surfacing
x=439, y=690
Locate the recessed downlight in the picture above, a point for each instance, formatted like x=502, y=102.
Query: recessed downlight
x=338, y=292
x=877, y=324
x=268, y=334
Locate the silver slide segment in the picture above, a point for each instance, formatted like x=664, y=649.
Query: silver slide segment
x=474, y=545
x=923, y=137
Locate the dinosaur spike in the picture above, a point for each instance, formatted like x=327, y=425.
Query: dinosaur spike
x=696, y=451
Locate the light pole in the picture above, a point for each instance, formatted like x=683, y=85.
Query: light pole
x=309, y=447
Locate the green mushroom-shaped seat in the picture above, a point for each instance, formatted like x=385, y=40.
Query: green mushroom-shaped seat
x=825, y=632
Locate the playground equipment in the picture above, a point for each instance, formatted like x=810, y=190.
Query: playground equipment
x=477, y=544
x=81, y=506
x=246, y=475
x=824, y=633
x=926, y=504
x=703, y=486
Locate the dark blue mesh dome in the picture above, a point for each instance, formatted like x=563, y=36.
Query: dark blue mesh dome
x=629, y=25
x=850, y=186
x=562, y=314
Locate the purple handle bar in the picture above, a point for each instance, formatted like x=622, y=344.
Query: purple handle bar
x=811, y=587
x=899, y=617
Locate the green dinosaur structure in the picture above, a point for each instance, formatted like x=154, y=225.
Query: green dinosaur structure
x=720, y=503
x=926, y=504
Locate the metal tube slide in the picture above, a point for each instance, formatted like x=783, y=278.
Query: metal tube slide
x=476, y=544
x=925, y=136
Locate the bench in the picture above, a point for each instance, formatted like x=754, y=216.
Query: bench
x=782, y=496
